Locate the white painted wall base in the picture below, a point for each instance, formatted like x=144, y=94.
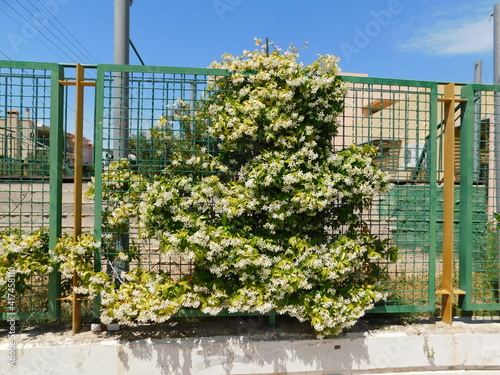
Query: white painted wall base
x=446, y=351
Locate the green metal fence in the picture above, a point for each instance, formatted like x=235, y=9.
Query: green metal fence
x=399, y=117
x=479, y=202
x=160, y=116
x=30, y=186
x=144, y=114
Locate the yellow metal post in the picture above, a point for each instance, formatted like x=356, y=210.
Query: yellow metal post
x=77, y=219
x=447, y=290
x=79, y=84
x=77, y=183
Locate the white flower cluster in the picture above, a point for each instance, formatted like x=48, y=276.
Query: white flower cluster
x=276, y=223
x=26, y=253
x=146, y=297
x=273, y=94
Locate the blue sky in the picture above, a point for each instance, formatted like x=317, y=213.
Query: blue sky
x=425, y=39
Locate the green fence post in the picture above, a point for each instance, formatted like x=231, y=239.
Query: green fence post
x=433, y=161
x=98, y=168
x=56, y=165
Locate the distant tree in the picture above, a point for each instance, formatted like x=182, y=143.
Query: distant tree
x=182, y=131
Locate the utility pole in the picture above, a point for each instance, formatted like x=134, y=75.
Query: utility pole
x=478, y=71
x=121, y=116
x=121, y=91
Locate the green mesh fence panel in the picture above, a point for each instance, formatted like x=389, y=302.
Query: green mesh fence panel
x=144, y=116
x=399, y=118
x=479, y=200
x=29, y=98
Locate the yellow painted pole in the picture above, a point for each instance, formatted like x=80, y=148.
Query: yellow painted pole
x=447, y=290
x=449, y=202
x=77, y=219
x=77, y=183
x=79, y=84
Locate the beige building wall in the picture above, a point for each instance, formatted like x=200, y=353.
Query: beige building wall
x=20, y=138
x=394, y=119
x=15, y=136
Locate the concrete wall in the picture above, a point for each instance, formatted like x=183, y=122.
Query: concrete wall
x=440, y=349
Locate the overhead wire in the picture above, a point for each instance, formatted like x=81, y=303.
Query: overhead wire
x=34, y=35
x=136, y=52
x=51, y=32
x=79, y=54
x=3, y=53
x=85, y=53
x=40, y=40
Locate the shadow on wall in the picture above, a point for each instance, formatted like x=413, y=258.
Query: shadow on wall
x=270, y=351
x=238, y=355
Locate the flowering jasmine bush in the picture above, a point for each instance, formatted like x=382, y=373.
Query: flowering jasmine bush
x=28, y=254
x=278, y=224
x=122, y=190
x=77, y=256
